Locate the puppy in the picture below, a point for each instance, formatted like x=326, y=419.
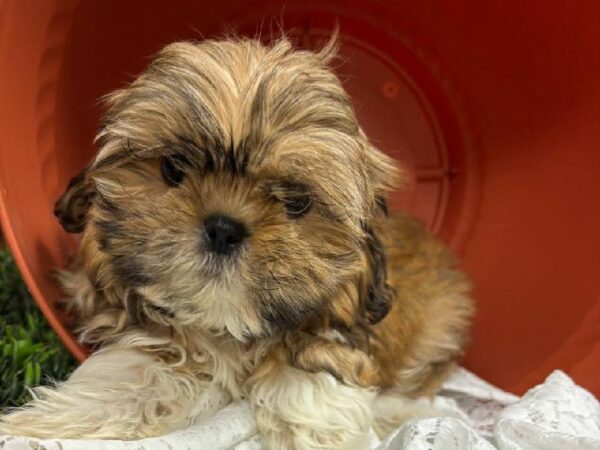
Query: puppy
x=236, y=244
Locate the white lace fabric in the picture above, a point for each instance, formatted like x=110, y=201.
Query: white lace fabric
x=556, y=415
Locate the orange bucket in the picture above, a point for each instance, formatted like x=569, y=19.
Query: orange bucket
x=494, y=107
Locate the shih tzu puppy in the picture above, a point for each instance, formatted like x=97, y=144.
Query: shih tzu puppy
x=236, y=244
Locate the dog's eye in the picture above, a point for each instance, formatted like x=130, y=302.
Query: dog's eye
x=172, y=169
x=296, y=197
x=297, y=206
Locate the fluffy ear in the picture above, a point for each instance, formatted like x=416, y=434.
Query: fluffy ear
x=72, y=207
x=379, y=294
x=384, y=173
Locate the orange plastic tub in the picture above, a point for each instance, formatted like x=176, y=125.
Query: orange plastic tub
x=493, y=106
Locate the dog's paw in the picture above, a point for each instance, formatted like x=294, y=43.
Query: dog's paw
x=304, y=411
x=392, y=409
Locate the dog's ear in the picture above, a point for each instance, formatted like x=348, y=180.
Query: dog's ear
x=384, y=173
x=379, y=294
x=72, y=207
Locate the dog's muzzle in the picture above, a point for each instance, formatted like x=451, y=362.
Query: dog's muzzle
x=223, y=234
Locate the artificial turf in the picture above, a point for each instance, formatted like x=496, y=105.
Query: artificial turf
x=30, y=352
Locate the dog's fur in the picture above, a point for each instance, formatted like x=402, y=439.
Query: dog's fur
x=328, y=301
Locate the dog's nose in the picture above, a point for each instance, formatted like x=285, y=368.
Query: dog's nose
x=223, y=234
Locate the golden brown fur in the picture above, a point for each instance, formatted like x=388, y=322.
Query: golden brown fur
x=327, y=300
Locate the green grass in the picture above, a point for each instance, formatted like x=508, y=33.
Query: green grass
x=30, y=352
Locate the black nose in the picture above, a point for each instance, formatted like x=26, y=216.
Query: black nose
x=223, y=234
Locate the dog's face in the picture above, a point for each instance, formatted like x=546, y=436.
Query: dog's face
x=233, y=189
